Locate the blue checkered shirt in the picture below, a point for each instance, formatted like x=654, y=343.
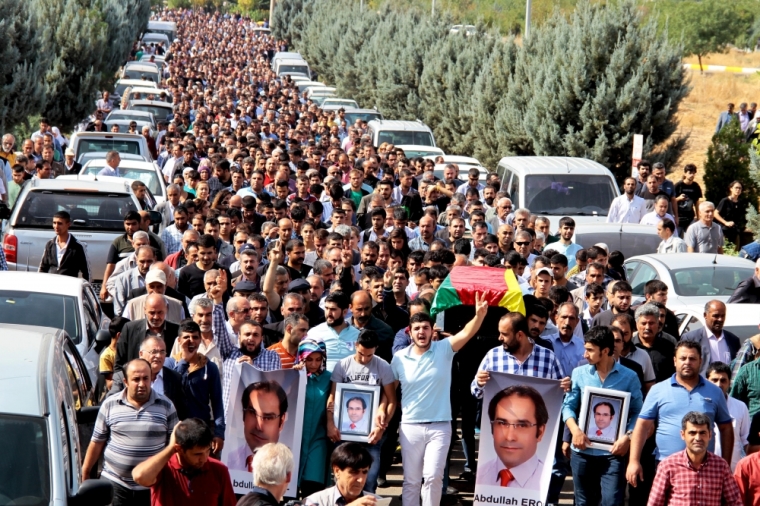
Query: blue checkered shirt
x=541, y=363
x=172, y=239
x=267, y=360
x=3, y=263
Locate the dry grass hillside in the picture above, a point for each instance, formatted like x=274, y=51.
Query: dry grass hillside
x=708, y=98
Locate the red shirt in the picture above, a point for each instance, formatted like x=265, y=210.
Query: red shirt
x=210, y=486
x=286, y=359
x=747, y=475
x=678, y=483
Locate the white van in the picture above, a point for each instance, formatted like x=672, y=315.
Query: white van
x=291, y=66
x=400, y=132
x=168, y=28
x=557, y=186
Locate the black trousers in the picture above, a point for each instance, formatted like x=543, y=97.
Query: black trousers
x=123, y=496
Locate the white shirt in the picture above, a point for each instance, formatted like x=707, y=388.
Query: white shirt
x=608, y=433
x=719, y=350
x=653, y=219
x=623, y=210
x=361, y=425
x=59, y=252
x=526, y=476
x=158, y=383
x=740, y=420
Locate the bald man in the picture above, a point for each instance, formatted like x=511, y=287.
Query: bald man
x=362, y=318
x=135, y=332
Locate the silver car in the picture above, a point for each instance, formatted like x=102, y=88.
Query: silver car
x=692, y=278
x=47, y=415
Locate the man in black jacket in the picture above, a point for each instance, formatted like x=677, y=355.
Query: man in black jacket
x=165, y=380
x=154, y=324
x=748, y=291
x=64, y=254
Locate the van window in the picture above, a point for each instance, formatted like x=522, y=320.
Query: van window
x=568, y=194
x=98, y=212
x=121, y=145
x=405, y=137
x=302, y=69
x=514, y=191
x=504, y=174
x=351, y=117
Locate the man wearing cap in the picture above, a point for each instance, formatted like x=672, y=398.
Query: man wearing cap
x=70, y=165
x=313, y=312
x=155, y=282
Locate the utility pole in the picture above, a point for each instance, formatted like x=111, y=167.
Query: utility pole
x=527, y=18
x=271, y=12
x=432, y=12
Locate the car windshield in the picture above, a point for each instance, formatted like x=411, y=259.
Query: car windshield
x=140, y=74
x=709, y=280
x=568, y=194
x=416, y=153
x=113, y=144
x=405, y=137
x=94, y=212
x=25, y=466
x=351, y=117
x=302, y=69
x=160, y=113
x=148, y=177
x=129, y=117
x=24, y=308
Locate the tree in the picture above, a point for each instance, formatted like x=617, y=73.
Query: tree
x=728, y=159
x=753, y=218
x=21, y=91
x=705, y=26
x=584, y=85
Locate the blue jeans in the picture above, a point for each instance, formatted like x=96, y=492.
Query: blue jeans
x=374, y=470
x=598, y=480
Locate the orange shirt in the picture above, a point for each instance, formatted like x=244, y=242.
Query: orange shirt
x=286, y=359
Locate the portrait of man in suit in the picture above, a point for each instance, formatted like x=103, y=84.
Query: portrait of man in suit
x=265, y=411
x=603, y=426
x=355, y=416
x=518, y=416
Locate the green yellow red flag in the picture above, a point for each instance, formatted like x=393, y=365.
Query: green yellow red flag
x=499, y=286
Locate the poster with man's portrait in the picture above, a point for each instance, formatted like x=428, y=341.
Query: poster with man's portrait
x=520, y=421
x=603, y=416
x=358, y=405
x=264, y=407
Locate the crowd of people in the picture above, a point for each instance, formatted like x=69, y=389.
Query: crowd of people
x=289, y=241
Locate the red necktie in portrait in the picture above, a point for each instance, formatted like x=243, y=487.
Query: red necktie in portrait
x=352, y=426
x=598, y=432
x=249, y=463
x=505, y=475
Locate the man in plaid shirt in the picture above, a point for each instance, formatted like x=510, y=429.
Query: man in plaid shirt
x=518, y=355
x=172, y=235
x=251, y=349
x=694, y=475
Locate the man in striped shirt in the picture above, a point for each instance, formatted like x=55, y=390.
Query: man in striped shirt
x=295, y=326
x=131, y=427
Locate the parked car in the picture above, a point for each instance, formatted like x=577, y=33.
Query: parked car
x=87, y=142
x=147, y=172
x=145, y=93
x=156, y=38
x=47, y=415
x=464, y=163
x=467, y=29
x=97, y=210
x=160, y=110
x=741, y=319
x=122, y=84
x=401, y=132
x=338, y=103
x=129, y=115
x=557, y=186
x=101, y=155
x=69, y=304
x=168, y=28
x=631, y=239
x=692, y=278
x=141, y=70
x=285, y=55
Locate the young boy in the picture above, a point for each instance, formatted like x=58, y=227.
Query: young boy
x=15, y=185
x=594, y=301
x=108, y=355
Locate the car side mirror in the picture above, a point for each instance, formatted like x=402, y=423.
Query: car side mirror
x=155, y=218
x=93, y=493
x=103, y=336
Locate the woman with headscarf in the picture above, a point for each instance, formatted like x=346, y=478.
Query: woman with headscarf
x=314, y=472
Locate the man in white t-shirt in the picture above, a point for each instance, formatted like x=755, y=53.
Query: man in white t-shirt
x=719, y=373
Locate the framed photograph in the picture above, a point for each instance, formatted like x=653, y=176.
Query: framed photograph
x=355, y=408
x=604, y=416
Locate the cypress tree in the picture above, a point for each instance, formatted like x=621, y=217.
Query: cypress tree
x=21, y=63
x=753, y=218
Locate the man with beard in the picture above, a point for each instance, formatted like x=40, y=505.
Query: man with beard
x=620, y=295
x=362, y=318
x=669, y=401
x=338, y=335
x=628, y=207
